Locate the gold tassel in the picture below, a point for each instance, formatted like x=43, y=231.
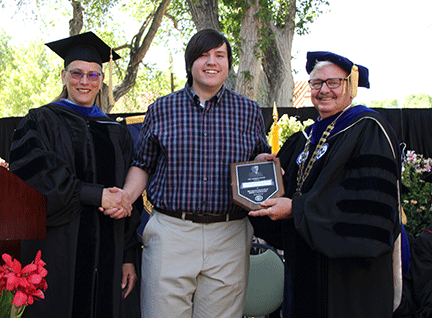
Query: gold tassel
x=110, y=86
x=404, y=217
x=275, y=131
x=354, y=79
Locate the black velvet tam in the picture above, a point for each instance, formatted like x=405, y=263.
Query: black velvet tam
x=344, y=63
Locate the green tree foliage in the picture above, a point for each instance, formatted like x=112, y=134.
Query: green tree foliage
x=28, y=79
x=111, y=19
x=5, y=56
x=387, y=103
x=96, y=13
x=30, y=74
x=418, y=101
x=100, y=9
x=232, y=11
x=151, y=83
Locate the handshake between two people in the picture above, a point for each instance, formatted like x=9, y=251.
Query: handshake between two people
x=116, y=203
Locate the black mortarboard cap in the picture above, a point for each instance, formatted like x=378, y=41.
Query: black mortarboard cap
x=342, y=62
x=85, y=47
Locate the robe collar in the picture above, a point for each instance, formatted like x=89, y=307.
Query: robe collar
x=344, y=121
x=93, y=111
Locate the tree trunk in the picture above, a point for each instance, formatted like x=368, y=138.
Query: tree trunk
x=249, y=64
x=204, y=14
x=77, y=21
x=279, y=86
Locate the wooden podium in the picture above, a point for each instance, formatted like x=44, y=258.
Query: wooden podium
x=22, y=213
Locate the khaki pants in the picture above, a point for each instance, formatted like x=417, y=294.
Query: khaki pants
x=194, y=270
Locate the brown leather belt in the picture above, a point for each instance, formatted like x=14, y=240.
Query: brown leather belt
x=204, y=218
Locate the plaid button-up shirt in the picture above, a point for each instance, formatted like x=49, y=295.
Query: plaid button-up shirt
x=187, y=149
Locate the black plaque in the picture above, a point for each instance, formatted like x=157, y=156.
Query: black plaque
x=254, y=182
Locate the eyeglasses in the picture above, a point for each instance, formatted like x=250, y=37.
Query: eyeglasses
x=330, y=82
x=91, y=76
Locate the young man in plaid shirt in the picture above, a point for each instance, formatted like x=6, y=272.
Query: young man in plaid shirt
x=197, y=241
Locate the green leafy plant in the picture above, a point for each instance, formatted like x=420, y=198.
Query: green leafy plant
x=416, y=199
x=288, y=126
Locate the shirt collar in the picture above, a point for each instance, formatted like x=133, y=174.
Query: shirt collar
x=195, y=99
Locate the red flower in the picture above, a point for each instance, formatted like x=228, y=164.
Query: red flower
x=25, y=283
x=2, y=279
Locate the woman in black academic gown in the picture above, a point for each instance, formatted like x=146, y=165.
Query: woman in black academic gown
x=71, y=152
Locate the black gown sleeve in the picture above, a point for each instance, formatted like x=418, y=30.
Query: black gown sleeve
x=351, y=209
x=131, y=242
x=42, y=155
